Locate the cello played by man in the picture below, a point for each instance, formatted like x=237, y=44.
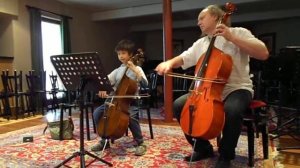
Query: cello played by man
x=240, y=44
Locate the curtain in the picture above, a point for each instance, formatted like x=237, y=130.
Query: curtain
x=66, y=34
x=36, y=38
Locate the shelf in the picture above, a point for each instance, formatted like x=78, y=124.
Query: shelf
x=6, y=57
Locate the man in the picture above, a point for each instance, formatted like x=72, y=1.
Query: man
x=240, y=44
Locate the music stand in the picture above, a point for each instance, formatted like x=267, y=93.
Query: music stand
x=79, y=71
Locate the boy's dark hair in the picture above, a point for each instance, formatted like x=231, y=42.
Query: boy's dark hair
x=126, y=45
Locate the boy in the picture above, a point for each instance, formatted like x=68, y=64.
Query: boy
x=125, y=50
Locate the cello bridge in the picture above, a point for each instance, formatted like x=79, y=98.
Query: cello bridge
x=109, y=104
x=196, y=92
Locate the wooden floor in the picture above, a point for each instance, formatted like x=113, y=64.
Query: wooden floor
x=288, y=158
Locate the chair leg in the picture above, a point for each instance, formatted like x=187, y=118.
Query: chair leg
x=30, y=103
x=70, y=111
x=256, y=125
x=40, y=104
x=264, y=131
x=6, y=107
x=150, y=123
x=22, y=106
x=17, y=109
x=250, y=135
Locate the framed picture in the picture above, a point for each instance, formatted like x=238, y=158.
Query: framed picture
x=177, y=47
x=269, y=39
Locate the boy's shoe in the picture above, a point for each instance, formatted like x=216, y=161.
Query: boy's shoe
x=100, y=146
x=140, y=150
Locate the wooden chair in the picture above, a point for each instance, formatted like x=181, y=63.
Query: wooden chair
x=146, y=107
x=146, y=102
x=13, y=88
x=179, y=87
x=54, y=90
x=87, y=104
x=6, y=113
x=36, y=91
x=152, y=89
x=139, y=108
x=255, y=122
x=2, y=98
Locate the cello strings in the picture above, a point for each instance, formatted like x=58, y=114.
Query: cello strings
x=217, y=80
x=128, y=96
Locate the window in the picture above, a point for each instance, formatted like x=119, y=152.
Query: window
x=52, y=45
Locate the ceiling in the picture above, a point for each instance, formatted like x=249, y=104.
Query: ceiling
x=105, y=5
x=185, y=12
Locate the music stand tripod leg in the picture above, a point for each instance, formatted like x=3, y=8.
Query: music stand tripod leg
x=82, y=151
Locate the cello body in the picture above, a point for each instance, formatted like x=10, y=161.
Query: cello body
x=203, y=113
x=114, y=122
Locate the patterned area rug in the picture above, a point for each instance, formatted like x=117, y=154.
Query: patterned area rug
x=166, y=150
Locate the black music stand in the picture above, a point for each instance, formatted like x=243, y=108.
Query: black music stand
x=79, y=71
